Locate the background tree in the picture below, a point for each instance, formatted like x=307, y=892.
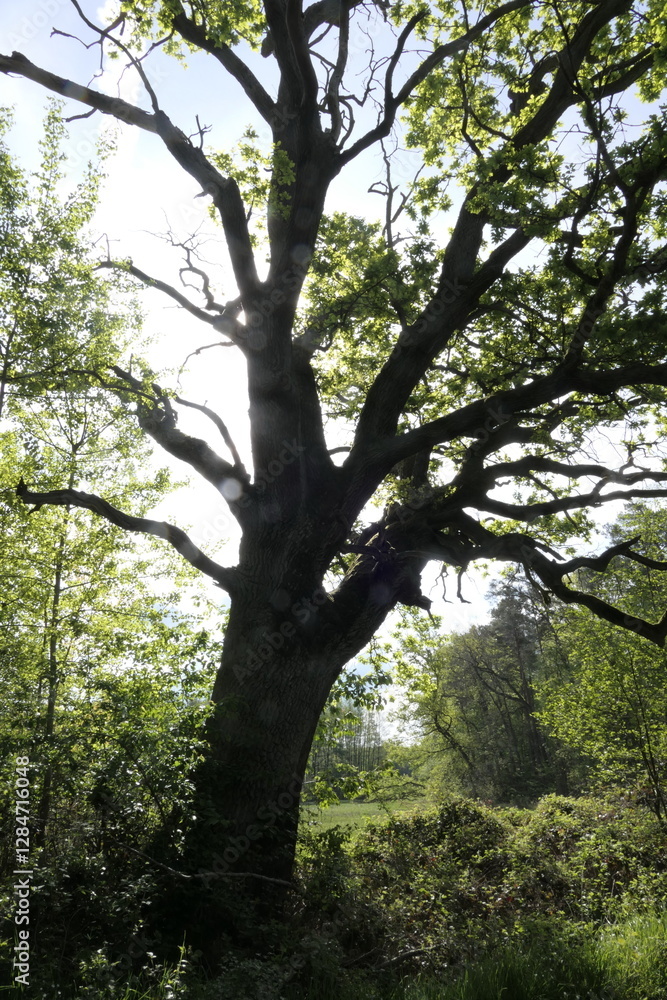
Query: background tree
x=496, y=706
x=472, y=698
x=487, y=703
x=610, y=702
x=482, y=355
x=350, y=745
x=104, y=680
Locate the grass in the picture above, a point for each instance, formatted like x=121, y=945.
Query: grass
x=626, y=961
x=635, y=954
x=355, y=814
x=525, y=975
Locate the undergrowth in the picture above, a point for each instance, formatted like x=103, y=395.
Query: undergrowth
x=567, y=901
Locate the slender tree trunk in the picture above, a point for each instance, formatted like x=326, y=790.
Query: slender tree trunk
x=53, y=682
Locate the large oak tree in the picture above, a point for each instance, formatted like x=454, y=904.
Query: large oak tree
x=460, y=358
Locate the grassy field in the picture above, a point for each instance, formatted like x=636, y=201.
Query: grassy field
x=356, y=813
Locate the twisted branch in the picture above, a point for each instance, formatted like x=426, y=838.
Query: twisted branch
x=176, y=537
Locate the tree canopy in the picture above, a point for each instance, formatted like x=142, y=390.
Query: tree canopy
x=528, y=122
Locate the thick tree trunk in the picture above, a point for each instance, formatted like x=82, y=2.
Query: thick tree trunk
x=247, y=792
x=279, y=662
x=286, y=643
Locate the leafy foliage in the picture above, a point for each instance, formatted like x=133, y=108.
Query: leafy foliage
x=449, y=887
x=104, y=683
x=56, y=318
x=610, y=702
x=472, y=699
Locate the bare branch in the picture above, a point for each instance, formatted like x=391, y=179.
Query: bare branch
x=299, y=41
x=124, y=112
x=481, y=417
x=196, y=35
x=467, y=540
x=393, y=102
x=205, y=286
x=158, y=419
x=173, y=293
x=333, y=90
x=204, y=347
x=600, y=563
x=525, y=550
x=222, y=427
x=105, y=33
x=226, y=197
x=532, y=511
x=225, y=578
x=552, y=575
x=223, y=190
x=577, y=470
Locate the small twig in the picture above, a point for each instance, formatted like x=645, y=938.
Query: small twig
x=136, y=63
x=84, y=114
x=222, y=427
x=184, y=875
x=205, y=347
x=459, y=578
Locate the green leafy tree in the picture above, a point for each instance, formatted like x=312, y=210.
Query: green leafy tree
x=461, y=357
x=473, y=698
x=610, y=703
x=350, y=746
x=55, y=312
x=104, y=684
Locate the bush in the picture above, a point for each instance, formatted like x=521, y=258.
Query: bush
x=443, y=889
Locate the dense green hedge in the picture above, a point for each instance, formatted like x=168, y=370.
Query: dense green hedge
x=435, y=893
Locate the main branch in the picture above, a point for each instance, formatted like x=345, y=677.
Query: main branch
x=114, y=106
x=224, y=577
